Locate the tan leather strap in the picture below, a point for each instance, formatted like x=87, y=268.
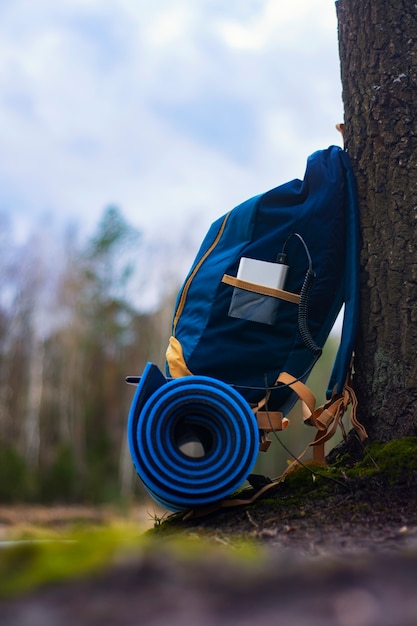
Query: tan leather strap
x=324, y=419
x=288, y=296
x=360, y=429
x=303, y=392
x=268, y=421
x=271, y=420
x=326, y=422
x=329, y=416
x=264, y=442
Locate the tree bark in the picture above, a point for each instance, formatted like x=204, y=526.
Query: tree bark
x=378, y=55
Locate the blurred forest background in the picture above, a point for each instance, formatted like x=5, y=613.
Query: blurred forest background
x=76, y=317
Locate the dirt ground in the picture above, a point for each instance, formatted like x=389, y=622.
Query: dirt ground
x=345, y=556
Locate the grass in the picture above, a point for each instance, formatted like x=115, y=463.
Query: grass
x=42, y=556
x=38, y=556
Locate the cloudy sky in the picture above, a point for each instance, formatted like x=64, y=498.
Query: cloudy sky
x=175, y=110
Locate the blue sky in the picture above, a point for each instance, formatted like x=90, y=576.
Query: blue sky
x=175, y=110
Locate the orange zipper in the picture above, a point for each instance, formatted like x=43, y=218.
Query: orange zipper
x=187, y=283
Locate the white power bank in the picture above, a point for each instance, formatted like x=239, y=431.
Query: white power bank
x=262, y=273
x=252, y=306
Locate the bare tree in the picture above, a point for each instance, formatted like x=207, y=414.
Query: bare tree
x=378, y=54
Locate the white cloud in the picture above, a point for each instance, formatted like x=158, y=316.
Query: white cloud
x=277, y=23
x=165, y=108
x=170, y=27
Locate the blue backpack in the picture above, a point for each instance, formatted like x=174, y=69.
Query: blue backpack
x=250, y=322
x=314, y=223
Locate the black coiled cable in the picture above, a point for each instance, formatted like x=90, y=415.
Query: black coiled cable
x=303, y=314
x=304, y=296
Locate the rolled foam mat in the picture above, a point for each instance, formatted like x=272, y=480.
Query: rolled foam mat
x=193, y=440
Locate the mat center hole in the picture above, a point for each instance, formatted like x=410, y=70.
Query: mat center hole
x=192, y=439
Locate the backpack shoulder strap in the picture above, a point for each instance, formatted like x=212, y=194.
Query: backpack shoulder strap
x=343, y=359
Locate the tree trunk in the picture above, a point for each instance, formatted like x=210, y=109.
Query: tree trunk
x=378, y=54
x=34, y=401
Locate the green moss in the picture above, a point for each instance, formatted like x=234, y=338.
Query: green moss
x=166, y=524
x=29, y=562
x=395, y=459
x=45, y=558
x=205, y=544
x=392, y=461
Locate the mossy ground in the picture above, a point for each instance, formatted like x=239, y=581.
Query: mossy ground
x=342, y=505
x=319, y=548
x=338, y=507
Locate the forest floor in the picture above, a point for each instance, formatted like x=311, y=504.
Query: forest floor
x=320, y=549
